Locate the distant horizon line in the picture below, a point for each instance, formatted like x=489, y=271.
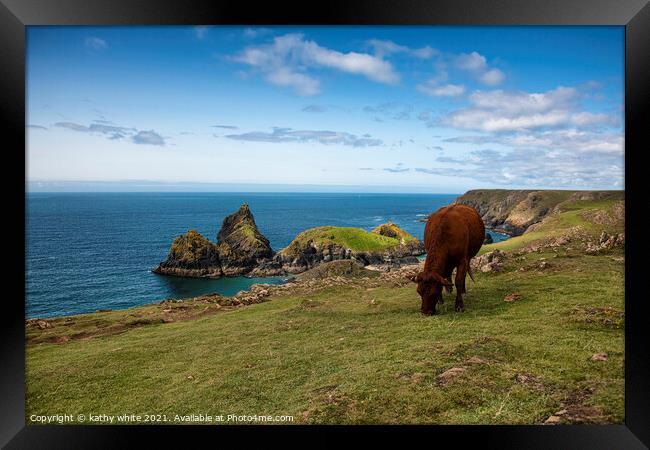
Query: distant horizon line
x=148, y=186
x=248, y=192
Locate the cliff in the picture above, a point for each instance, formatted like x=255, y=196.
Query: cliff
x=514, y=211
x=191, y=255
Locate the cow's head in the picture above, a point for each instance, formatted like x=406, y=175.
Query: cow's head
x=430, y=286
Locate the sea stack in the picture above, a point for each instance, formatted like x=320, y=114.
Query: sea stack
x=240, y=245
x=191, y=255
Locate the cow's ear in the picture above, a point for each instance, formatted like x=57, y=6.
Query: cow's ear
x=422, y=276
x=444, y=281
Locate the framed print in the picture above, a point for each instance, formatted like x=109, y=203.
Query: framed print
x=381, y=215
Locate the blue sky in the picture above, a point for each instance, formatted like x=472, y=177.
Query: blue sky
x=404, y=109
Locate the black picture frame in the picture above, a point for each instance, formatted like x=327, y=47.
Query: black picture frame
x=15, y=15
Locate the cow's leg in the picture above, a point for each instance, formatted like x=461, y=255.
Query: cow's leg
x=461, y=272
x=446, y=276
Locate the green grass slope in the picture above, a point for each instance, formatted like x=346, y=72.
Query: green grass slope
x=588, y=217
x=355, y=239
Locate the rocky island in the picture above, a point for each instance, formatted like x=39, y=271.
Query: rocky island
x=191, y=255
x=241, y=249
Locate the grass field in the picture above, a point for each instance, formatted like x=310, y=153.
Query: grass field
x=349, y=354
x=357, y=350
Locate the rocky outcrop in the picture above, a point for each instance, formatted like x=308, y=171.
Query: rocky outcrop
x=489, y=262
x=605, y=242
x=240, y=245
x=344, y=268
x=191, y=255
x=386, y=245
x=240, y=248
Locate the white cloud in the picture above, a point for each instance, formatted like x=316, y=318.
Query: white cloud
x=534, y=168
x=390, y=110
x=96, y=43
x=476, y=64
x=383, y=48
x=545, y=139
x=285, y=135
x=252, y=33
x=500, y=111
x=200, y=32
x=315, y=108
x=115, y=133
x=303, y=84
x=565, y=140
x=148, y=137
x=471, y=61
x=285, y=61
x=447, y=90
x=587, y=118
x=485, y=120
x=524, y=102
x=492, y=77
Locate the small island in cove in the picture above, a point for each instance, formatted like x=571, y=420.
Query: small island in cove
x=343, y=341
x=241, y=249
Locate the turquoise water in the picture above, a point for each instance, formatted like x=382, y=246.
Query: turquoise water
x=89, y=251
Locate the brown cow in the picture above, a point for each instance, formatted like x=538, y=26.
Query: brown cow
x=452, y=236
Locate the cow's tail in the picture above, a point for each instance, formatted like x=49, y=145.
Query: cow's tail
x=469, y=271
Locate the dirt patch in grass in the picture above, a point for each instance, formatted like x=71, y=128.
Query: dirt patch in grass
x=486, y=348
x=309, y=303
x=577, y=410
x=530, y=381
x=599, y=315
x=329, y=406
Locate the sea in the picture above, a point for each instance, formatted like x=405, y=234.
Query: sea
x=91, y=251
